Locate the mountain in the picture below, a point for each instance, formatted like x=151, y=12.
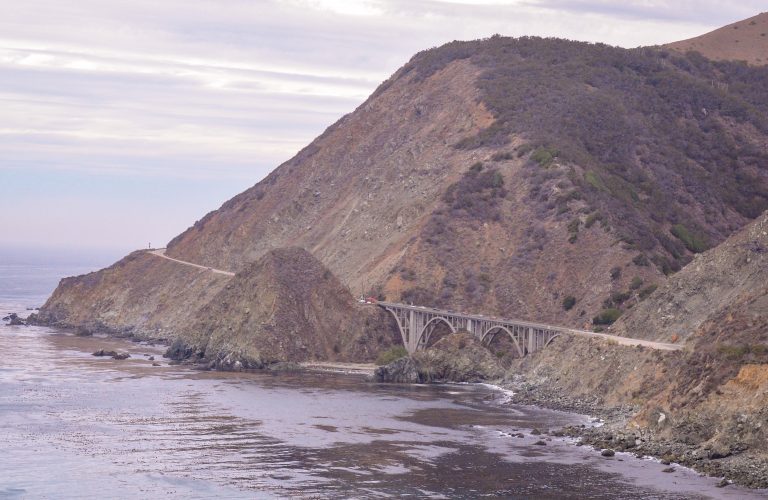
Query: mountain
x=530, y=178
x=745, y=40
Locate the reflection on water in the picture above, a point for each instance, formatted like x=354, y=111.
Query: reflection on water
x=73, y=425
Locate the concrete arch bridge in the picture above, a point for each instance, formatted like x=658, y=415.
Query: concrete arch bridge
x=417, y=324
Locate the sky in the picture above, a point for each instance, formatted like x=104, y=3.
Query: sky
x=123, y=122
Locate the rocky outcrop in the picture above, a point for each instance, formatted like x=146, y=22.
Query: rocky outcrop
x=13, y=319
x=400, y=371
x=458, y=357
x=286, y=306
x=141, y=295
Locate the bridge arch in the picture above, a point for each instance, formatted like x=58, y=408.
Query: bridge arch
x=549, y=341
x=430, y=325
x=491, y=332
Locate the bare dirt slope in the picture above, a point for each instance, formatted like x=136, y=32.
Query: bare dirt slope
x=745, y=40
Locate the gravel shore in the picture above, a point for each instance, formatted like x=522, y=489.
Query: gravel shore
x=742, y=468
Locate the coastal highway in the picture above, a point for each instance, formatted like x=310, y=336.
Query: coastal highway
x=160, y=252
x=627, y=341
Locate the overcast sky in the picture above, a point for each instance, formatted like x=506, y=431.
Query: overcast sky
x=124, y=122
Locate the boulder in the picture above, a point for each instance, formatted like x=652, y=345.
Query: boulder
x=403, y=371
x=719, y=450
x=16, y=321
x=102, y=352
x=608, y=452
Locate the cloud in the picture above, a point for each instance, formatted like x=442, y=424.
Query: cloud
x=213, y=91
x=714, y=13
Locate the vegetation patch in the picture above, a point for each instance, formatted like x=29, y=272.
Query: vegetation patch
x=545, y=156
x=739, y=352
x=569, y=302
x=391, y=354
x=645, y=292
x=607, y=316
x=695, y=241
x=477, y=195
x=592, y=218
x=655, y=128
x=573, y=230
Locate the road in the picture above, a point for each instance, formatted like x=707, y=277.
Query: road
x=662, y=346
x=160, y=252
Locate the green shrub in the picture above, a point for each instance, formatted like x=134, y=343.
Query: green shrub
x=645, y=292
x=694, y=241
x=524, y=149
x=544, y=156
x=607, y=316
x=636, y=283
x=569, y=302
x=741, y=351
x=502, y=155
x=619, y=297
x=594, y=180
x=592, y=218
x=615, y=273
x=640, y=260
x=391, y=354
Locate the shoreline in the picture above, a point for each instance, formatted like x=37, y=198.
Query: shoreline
x=741, y=469
x=610, y=432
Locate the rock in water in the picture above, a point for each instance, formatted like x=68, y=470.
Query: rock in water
x=102, y=352
x=401, y=371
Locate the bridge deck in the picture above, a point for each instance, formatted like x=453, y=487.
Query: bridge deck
x=527, y=324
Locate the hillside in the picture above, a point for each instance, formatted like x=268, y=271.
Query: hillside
x=709, y=400
x=745, y=40
x=712, y=293
x=531, y=178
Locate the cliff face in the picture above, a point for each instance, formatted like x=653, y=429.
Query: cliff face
x=141, y=295
x=530, y=178
x=286, y=306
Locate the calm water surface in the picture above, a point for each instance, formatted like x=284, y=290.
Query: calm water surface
x=76, y=426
